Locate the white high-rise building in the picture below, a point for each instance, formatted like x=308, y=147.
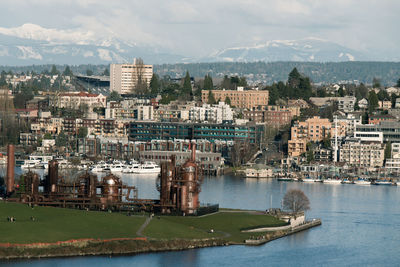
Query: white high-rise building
x=124, y=77
x=211, y=113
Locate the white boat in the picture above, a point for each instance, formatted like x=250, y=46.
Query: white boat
x=100, y=167
x=309, y=180
x=118, y=167
x=129, y=168
x=362, y=182
x=32, y=164
x=332, y=181
x=148, y=167
x=383, y=182
x=347, y=181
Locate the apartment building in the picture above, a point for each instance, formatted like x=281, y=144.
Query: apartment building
x=240, y=98
x=345, y=104
x=146, y=131
x=376, y=119
x=314, y=129
x=75, y=100
x=296, y=147
x=125, y=77
x=361, y=154
x=116, y=110
x=211, y=113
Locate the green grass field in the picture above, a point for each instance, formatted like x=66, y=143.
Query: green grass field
x=227, y=225
x=58, y=224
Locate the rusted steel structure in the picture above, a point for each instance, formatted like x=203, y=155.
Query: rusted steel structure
x=86, y=192
x=180, y=186
x=10, y=169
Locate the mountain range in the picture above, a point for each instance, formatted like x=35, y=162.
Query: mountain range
x=33, y=44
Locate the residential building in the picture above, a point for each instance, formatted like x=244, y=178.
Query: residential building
x=345, y=103
x=376, y=119
x=390, y=130
x=76, y=100
x=362, y=154
x=313, y=129
x=211, y=113
x=302, y=104
x=385, y=105
x=147, y=131
x=116, y=110
x=296, y=147
x=240, y=98
x=125, y=77
x=363, y=103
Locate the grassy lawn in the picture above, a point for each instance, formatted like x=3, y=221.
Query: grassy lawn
x=225, y=224
x=57, y=224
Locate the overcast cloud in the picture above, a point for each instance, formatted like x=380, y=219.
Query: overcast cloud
x=197, y=28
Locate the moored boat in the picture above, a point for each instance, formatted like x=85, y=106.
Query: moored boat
x=361, y=181
x=332, y=181
x=147, y=167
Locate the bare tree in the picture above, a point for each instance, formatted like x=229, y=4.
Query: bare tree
x=241, y=152
x=140, y=86
x=295, y=200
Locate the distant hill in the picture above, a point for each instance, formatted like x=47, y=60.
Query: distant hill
x=331, y=72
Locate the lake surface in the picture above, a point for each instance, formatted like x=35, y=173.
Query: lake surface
x=360, y=227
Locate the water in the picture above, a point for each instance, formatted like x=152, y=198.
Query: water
x=360, y=226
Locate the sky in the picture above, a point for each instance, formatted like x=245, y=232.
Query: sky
x=199, y=28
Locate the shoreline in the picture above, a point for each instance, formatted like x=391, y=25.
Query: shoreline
x=127, y=246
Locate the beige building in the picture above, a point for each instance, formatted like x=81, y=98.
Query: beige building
x=312, y=130
x=124, y=77
x=362, y=154
x=297, y=147
x=75, y=100
x=239, y=98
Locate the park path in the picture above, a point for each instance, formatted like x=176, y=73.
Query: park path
x=144, y=225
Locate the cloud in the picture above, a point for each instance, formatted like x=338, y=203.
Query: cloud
x=193, y=28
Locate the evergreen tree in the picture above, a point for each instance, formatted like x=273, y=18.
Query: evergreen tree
x=393, y=97
x=376, y=83
x=273, y=94
x=373, y=101
x=383, y=95
x=89, y=72
x=187, y=84
x=341, y=91
x=208, y=82
x=388, y=150
x=211, y=98
x=114, y=96
x=54, y=70
x=61, y=139
x=154, y=85
x=82, y=132
x=67, y=71
x=227, y=100
x=106, y=72
x=226, y=83
x=398, y=83
x=294, y=78
x=242, y=82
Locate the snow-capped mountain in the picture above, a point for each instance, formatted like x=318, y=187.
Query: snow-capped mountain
x=33, y=44
x=308, y=49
